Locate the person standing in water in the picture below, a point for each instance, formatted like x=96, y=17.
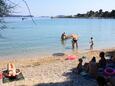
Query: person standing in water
x=74, y=40
x=91, y=43
x=63, y=36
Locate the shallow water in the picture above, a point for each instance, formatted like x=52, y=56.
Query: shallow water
x=25, y=38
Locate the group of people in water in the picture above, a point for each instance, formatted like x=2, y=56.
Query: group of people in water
x=103, y=71
x=75, y=38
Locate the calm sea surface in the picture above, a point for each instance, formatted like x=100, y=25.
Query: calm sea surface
x=26, y=38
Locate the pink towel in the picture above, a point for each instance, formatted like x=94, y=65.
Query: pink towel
x=71, y=57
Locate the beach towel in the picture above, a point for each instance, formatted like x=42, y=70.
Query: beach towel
x=16, y=78
x=71, y=57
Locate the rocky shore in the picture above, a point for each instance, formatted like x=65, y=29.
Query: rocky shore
x=52, y=71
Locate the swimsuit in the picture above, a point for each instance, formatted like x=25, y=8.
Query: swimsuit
x=74, y=40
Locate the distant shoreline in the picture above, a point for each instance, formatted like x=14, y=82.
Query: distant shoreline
x=91, y=14
x=83, y=17
x=19, y=16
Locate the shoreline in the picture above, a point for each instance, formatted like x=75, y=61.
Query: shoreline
x=32, y=59
x=42, y=55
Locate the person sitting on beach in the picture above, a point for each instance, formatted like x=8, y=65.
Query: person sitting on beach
x=93, y=67
x=111, y=62
x=74, y=40
x=108, y=77
x=91, y=43
x=79, y=67
x=102, y=61
x=63, y=36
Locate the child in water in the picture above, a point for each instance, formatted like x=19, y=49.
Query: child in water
x=91, y=43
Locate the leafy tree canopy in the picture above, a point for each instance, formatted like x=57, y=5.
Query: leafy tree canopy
x=4, y=8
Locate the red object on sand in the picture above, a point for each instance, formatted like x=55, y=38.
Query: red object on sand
x=71, y=57
x=0, y=75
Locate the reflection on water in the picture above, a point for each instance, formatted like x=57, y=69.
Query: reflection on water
x=63, y=42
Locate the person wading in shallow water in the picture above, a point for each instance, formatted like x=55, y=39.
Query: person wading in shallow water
x=91, y=43
x=63, y=36
x=74, y=40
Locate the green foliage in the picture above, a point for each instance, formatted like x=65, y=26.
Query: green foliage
x=93, y=14
x=4, y=8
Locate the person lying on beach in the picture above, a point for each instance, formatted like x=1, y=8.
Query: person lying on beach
x=74, y=40
x=12, y=72
x=11, y=69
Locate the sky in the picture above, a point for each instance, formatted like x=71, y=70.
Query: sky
x=61, y=7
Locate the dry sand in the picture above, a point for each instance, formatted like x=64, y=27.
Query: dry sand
x=52, y=71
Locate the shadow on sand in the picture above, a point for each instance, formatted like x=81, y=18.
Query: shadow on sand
x=72, y=80
x=58, y=54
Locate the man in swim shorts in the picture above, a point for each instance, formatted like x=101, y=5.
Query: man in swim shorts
x=74, y=40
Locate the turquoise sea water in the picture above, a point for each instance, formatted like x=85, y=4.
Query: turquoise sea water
x=25, y=38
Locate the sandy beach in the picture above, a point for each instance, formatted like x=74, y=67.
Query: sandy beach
x=57, y=43
x=52, y=70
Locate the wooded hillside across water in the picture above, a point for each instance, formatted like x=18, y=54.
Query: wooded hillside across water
x=91, y=14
